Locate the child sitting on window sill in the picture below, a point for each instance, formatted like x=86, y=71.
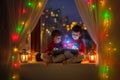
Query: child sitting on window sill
x=53, y=52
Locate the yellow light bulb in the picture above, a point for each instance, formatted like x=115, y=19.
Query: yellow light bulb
x=39, y=4
x=22, y=22
x=14, y=76
x=15, y=49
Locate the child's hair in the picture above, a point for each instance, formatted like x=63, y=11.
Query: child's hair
x=56, y=33
x=77, y=28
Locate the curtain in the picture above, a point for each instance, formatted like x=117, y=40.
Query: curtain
x=23, y=17
x=89, y=15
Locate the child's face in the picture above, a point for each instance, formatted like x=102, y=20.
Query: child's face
x=57, y=39
x=76, y=35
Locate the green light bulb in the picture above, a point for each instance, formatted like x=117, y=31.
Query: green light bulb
x=106, y=15
x=19, y=28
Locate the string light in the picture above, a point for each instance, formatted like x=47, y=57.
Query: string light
x=15, y=49
x=31, y=4
x=22, y=22
x=19, y=28
x=16, y=65
x=102, y=2
x=14, y=37
x=24, y=11
x=106, y=15
x=40, y=4
x=13, y=58
x=93, y=6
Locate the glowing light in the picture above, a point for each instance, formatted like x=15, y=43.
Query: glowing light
x=106, y=22
x=84, y=27
x=109, y=49
x=102, y=2
x=90, y=2
x=19, y=28
x=107, y=35
x=40, y=4
x=106, y=15
x=109, y=8
x=15, y=49
x=67, y=41
x=22, y=22
x=13, y=57
x=24, y=58
x=93, y=6
x=47, y=30
x=31, y=4
x=104, y=69
x=14, y=37
x=16, y=65
x=14, y=77
x=110, y=43
x=115, y=49
x=24, y=11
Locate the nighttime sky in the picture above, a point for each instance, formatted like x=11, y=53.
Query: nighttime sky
x=68, y=8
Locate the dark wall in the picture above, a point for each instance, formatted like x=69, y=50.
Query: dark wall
x=35, y=38
x=4, y=41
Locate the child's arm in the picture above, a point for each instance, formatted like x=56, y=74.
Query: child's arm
x=82, y=48
x=48, y=49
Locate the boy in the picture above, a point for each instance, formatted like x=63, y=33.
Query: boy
x=53, y=51
x=77, y=49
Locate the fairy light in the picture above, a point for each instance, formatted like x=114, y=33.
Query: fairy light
x=106, y=15
x=16, y=65
x=102, y=2
x=31, y=4
x=19, y=28
x=13, y=57
x=22, y=23
x=24, y=11
x=14, y=77
x=15, y=49
x=14, y=37
x=93, y=6
x=39, y=4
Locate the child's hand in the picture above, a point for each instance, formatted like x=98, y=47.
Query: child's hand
x=81, y=53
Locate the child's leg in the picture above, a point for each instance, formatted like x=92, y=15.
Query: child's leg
x=46, y=58
x=68, y=54
x=58, y=58
x=75, y=59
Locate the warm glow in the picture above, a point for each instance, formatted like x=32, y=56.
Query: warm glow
x=22, y=22
x=47, y=30
x=24, y=58
x=40, y=4
x=15, y=49
x=115, y=49
x=102, y=2
x=14, y=77
x=93, y=58
x=84, y=27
